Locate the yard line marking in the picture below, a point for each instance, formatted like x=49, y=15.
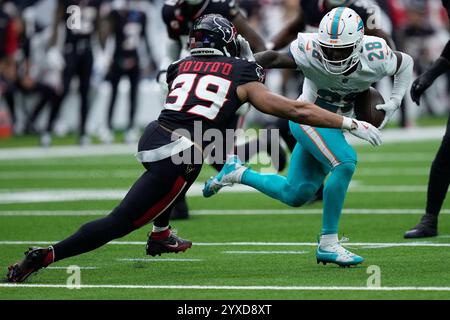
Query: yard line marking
x=70, y=174
x=265, y=252
x=158, y=260
x=220, y=287
x=65, y=268
x=381, y=172
x=262, y=244
x=61, y=195
x=134, y=173
x=217, y=212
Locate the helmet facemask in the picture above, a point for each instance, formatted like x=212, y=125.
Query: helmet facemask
x=338, y=59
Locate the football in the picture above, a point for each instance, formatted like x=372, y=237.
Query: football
x=365, y=104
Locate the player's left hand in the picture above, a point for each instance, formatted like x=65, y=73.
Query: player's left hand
x=245, y=49
x=389, y=107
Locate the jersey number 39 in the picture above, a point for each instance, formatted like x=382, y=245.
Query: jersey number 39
x=211, y=90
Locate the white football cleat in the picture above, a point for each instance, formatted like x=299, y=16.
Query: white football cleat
x=331, y=251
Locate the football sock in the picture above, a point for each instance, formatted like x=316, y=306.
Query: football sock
x=159, y=229
x=439, y=178
x=328, y=239
x=92, y=235
x=334, y=196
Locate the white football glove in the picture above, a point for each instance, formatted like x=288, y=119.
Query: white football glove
x=366, y=131
x=389, y=107
x=246, y=51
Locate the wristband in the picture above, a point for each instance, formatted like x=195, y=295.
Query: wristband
x=347, y=123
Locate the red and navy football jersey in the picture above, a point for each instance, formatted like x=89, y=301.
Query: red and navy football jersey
x=178, y=17
x=202, y=91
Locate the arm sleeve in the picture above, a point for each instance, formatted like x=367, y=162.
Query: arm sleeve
x=402, y=79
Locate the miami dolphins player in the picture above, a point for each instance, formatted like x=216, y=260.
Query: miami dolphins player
x=338, y=62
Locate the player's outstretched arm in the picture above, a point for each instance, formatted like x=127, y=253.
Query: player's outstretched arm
x=304, y=113
x=271, y=59
x=402, y=79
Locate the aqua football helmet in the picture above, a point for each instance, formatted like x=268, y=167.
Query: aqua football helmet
x=339, y=39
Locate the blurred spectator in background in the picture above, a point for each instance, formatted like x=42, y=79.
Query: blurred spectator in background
x=422, y=32
x=82, y=20
x=8, y=49
x=127, y=23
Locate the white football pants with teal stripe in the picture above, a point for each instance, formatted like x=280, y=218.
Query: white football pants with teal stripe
x=319, y=152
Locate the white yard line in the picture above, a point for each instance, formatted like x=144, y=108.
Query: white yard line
x=234, y=287
x=61, y=195
x=158, y=260
x=65, y=268
x=218, y=212
x=257, y=244
x=68, y=174
x=264, y=252
x=134, y=173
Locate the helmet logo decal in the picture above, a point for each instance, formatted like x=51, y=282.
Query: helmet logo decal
x=228, y=33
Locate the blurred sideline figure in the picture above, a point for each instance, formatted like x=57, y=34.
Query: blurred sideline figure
x=81, y=19
x=127, y=23
x=439, y=178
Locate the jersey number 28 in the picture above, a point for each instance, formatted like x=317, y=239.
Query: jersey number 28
x=210, y=89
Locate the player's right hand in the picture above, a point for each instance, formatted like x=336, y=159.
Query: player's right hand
x=366, y=131
x=418, y=87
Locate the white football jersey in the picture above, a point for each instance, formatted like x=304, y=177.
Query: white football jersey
x=337, y=92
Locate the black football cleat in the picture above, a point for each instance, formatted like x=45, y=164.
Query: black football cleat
x=426, y=228
x=35, y=259
x=169, y=244
x=180, y=210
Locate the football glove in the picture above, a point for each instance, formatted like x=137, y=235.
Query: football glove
x=366, y=131
x=389, y=108
x=245, y=50
x=419, y=86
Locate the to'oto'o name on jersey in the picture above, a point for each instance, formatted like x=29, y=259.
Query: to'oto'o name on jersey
x=337, y=92
x=202, y=90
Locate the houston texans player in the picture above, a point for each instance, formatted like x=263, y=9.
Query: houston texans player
x=338, y=62
x=178, y=15
x=205, y=90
